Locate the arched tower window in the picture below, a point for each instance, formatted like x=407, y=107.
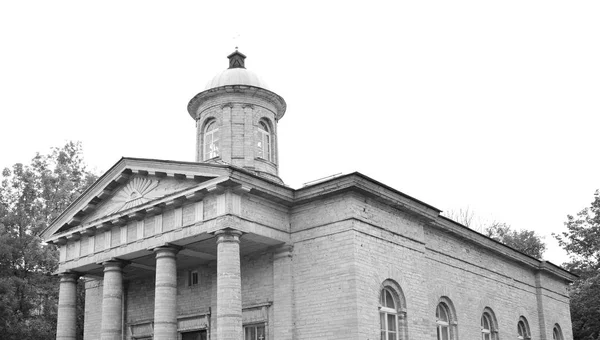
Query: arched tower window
x=445, y=320
x=263, y=143
x=557, y=333
x=489, y=329
x=211, y=140
x=523, y=329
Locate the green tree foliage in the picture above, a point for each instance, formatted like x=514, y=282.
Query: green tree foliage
x=582, y=243
x=525, y=241
x=31, y=196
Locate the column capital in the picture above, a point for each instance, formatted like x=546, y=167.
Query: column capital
x=228, y=235
x=114, y=265
x=68, y=276
x=167, y=250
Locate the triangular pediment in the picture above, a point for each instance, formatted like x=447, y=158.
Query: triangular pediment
x=132, y=182
x=138, y=190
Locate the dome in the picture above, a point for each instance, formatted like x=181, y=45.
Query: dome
x=236, y=76
x=247, y=82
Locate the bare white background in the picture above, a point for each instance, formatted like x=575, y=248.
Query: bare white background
x=490, y=105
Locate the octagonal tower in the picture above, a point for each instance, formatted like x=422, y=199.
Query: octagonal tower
x=236, y=120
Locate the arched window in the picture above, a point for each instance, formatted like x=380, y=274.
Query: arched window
x=445, y=320
x=489, y=329
x=211, y=140
x=557, y=333
x=263, y=143
x=388, y=314
x=523, y=329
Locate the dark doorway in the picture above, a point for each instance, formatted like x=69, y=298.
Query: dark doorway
x=195, y=335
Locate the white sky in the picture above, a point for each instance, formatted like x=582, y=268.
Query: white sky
x=488, y=105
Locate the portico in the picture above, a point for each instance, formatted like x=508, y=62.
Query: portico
x=222, y=249
x=195, y=238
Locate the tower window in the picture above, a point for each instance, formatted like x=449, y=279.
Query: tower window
x=263, y=143
x=211, y=140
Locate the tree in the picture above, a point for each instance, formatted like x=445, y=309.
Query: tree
x=585, y=310
x=463, y=216
x=582, y=238
x=582, y=243
x=525, y=241
x=31, y=196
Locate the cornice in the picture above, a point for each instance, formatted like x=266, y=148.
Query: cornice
x=252, y=91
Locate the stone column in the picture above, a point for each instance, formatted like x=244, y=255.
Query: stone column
x=112, y=301
x=66, y=325
x=229, y=285
x=165, y=294
x=283, y=293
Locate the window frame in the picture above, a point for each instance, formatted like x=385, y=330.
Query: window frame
x=442, y=326
x=446, y=326
x=264, y=143
x=256, y=326
x=492, y=331
x=390, y=289
x=198, y=331
x=193, y=274
x=211, y=129
x=522, y=324
x=557, y=332
x=385, y=312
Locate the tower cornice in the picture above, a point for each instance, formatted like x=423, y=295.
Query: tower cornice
x=252, y=91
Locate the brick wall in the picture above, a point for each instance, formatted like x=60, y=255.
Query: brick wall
x=444, y=265
x=325, y=283
x=344, y=248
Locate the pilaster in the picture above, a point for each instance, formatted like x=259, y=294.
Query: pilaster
x=540, y=305
x=283, y=293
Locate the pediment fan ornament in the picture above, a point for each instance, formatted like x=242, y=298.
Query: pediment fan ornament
x=138, y=191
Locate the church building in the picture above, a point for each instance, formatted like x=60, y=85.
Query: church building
x=222, y=249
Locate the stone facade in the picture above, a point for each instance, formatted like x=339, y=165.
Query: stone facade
x=221, y=249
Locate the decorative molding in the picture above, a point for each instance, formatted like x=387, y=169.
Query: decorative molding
x=135, y=193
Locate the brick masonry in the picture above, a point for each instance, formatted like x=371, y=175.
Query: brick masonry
x=344, y=248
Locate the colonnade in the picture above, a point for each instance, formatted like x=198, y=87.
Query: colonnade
x=229, y=294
